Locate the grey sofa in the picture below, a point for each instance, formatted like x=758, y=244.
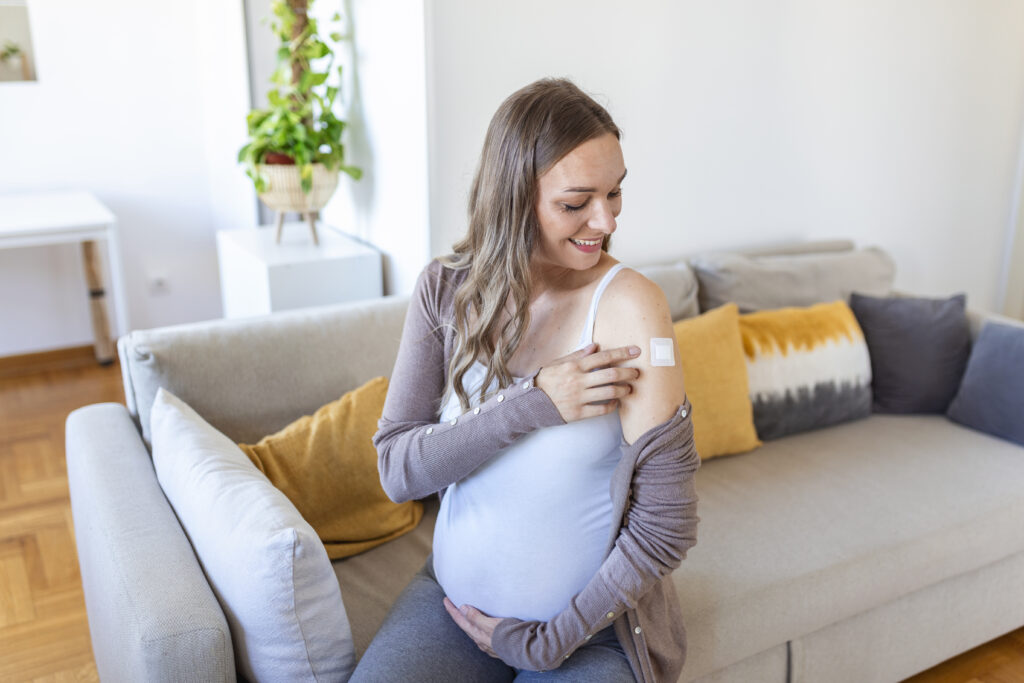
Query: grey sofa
x=865, y=551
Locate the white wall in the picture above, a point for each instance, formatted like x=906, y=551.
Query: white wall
x=385, y=97
x=144, y=105
x=895, y=123
x=889, y=122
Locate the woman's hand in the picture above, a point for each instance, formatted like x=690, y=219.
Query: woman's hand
x=475, y=623
x=573, y=382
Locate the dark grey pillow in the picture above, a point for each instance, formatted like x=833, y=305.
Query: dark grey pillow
x=991, y=395
x=918, y=347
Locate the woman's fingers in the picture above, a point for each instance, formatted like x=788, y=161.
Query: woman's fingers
x=575, y=381
x=474, y=623
x=606, y=392
x=603, y=358
x=610, y=376
x=577, y=354
x=595, y=409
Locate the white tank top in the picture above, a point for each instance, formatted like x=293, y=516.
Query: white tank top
x=526, y=531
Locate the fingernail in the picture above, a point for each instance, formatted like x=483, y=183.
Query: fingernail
x=634, y=350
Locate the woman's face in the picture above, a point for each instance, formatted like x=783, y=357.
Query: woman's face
x=577, y=201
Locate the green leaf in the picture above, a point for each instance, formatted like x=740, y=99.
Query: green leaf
x=336, y=37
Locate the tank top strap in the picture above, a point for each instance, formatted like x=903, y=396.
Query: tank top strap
x=587, y=335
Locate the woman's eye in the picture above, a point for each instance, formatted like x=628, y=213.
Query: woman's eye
x=570, y=208
x=617, y=193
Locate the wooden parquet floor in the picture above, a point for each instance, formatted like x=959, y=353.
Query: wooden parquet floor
x=44, y=633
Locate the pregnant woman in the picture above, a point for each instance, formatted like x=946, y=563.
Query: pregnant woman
x=525, y=394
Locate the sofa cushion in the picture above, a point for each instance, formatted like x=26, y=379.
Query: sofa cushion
x=265, y=564
x=919, y=348
x=991, y=395
x=327, y=466
x=756, y=283
x=372, y=581
x=823, y=525
x=808, y=368
x=715, y=374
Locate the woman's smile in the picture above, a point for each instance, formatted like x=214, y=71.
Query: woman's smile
x=588, y=246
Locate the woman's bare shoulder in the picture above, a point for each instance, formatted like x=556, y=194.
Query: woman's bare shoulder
x=632, y=294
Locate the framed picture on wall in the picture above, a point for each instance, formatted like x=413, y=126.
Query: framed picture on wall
x=17, y=58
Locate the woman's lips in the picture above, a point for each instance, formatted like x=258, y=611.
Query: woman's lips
x=586, y=248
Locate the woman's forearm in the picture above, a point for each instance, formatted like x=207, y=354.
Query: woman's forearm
x=416, y=457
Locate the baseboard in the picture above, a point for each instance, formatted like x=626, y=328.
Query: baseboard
x=44, y=361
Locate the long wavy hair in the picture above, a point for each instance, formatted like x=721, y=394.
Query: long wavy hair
x=530, y=132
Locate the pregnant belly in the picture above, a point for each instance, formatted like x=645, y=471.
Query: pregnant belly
x=525, y=533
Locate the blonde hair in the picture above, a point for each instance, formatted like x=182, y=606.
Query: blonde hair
x=530, y=132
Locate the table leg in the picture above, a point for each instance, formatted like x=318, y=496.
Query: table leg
x=311, y=217
x=103, y=346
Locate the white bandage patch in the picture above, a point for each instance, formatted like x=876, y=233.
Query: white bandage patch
x=663, y=351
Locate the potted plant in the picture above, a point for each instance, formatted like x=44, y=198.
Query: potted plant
x=12, y=53
x=295, y=151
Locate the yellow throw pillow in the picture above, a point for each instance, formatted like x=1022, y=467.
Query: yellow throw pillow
x=326, y=465
x=715, y=376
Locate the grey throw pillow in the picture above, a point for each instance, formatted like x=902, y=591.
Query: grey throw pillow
x=991, y=395
x=919, y=349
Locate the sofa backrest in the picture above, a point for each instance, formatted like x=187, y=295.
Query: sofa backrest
x=250, y=377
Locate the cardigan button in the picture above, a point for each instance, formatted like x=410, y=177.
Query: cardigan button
x=454, y=420
x=476, y=411
x=588, y=636
x=682, y=412
x=637, y=630
x=430, y=430
x=501, y=397
x=610, y=615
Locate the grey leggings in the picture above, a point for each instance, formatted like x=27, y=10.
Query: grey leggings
x=419, y=641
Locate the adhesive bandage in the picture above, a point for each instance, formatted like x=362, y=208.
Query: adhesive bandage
x=663, y=351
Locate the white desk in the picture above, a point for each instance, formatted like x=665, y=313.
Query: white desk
x=259, y=276
x=40, y=218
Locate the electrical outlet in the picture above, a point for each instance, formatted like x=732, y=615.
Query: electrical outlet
x=158, y=284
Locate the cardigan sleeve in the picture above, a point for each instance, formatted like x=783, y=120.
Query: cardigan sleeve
x=416, y=454
x=660, y=526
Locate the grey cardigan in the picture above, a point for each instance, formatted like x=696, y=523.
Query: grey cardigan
x=652, y=491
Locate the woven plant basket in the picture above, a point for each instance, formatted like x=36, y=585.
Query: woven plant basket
x=284, y=191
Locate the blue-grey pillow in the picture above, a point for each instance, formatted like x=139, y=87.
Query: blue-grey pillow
x=918, y=347
x=991, y=395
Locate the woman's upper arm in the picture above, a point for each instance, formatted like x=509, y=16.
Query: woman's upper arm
x=634, y=310
x=417, y=380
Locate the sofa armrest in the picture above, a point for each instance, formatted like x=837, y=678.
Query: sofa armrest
x=152, y=614
x=976, y=319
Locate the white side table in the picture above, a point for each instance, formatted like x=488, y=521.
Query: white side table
x=40, y=218
x=259, y=276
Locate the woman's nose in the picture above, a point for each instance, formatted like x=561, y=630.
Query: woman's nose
x=602, y=218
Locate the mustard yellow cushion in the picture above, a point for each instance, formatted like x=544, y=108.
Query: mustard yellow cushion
x=715, y=376
x=326, y=465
